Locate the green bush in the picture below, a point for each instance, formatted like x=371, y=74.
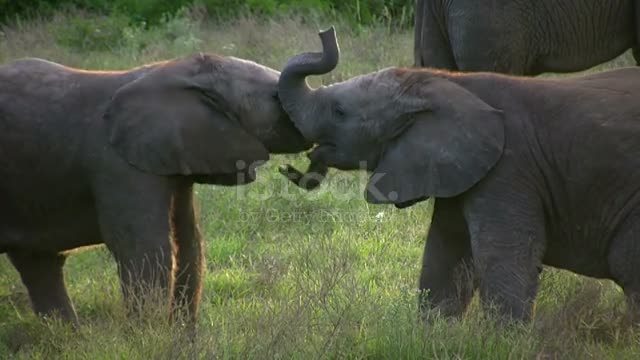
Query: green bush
x=231, y=8
x=110, y=33
x=151, y=12
x=94, y=33
x=12, y=8
x=148, y=11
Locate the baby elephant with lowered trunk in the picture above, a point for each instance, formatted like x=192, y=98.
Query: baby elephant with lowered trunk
x=527, y=172
x=111, y=157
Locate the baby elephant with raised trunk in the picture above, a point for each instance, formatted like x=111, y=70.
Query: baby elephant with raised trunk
x=111, y=157
x=525, y=171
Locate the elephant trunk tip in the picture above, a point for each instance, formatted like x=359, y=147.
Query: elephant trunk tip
x=315, y=63
x=330, y=48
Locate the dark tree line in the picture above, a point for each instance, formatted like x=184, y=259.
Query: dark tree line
x=152, y=11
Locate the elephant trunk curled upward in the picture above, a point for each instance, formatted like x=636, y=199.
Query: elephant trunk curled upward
x=526, y=172
x=111, y=157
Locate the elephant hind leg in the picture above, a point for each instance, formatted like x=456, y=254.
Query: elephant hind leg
x=43, y=277
x=190, y=258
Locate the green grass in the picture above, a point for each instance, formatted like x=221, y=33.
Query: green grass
x=300, y=275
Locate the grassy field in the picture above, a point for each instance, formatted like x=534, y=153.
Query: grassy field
x=293, y=274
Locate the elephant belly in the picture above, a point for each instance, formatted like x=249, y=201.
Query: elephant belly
x=578, y=254
x=56, y=232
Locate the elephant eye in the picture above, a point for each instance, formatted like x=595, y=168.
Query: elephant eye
x=339, y=110
x=275, y=97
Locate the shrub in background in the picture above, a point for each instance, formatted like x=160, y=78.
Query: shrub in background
x=107, y=25
x=99, y=33
x=152, y=12
x=110, y=33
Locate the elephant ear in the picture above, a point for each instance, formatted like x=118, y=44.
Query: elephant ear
x=449, y=140
x=171, y=122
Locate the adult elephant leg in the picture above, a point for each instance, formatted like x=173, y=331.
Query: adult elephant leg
x=446, y=281
x=476, y=45
x=190, y=258
x=134, y=216
x=507, y=242
x=431, y=46
x=636, y=48
x=624, y=264
x=43, y=277
x=636, y=54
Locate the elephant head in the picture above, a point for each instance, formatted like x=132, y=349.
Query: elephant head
x=420, y=133
x=207, y=117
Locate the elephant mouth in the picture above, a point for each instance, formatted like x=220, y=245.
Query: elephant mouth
x=335, y=157
x=284, y=138
x=328, y=150
x=331, y=155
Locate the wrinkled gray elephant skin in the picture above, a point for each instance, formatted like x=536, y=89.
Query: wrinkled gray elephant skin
x=524, y=37
x=111, y=157
x=527, y=172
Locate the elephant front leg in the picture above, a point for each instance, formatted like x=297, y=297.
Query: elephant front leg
x=135, y=226
x=145, y=266
x=43, y=277
x=190, y=258
x=446, y=281
x=507, y=245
